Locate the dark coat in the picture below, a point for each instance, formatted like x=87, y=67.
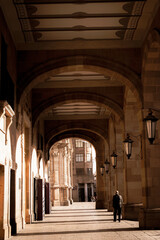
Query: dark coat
x=116, y=201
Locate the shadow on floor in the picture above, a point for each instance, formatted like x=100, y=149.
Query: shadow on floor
x=79, y=232
x=71, y=216
x=75, y=221
x=74, y=210
x=77, y=211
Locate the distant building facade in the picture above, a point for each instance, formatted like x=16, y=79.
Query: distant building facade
x=72, y=172
x=61, y=173
x=84, y=172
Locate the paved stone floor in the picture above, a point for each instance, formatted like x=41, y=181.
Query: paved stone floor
x=81, y=221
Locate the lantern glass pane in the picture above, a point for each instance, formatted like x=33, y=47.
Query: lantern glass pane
x=151, y=129
x=106, y=167
x=101, y=170
x=114, y=160
x=129, y=148
x=126, y=147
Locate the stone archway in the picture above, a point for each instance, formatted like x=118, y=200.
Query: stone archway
x=81, y=63
x=99, y=144
x=77, y=96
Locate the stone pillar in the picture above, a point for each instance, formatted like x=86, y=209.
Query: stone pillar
x=56, y=197
x=92, y=189
x=70, y=195
x=61, y=174
x=22, y=177
x=86, y=192
x=65, y=201
x=150, y=212
x=112, y=175
x=55, y=176
x=133, y=180
x=149, y=217
x=101, y=187
x=6, y=115
x=27, y=177
x=2, y=230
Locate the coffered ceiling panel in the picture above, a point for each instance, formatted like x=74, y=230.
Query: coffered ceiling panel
x=50, y=21
x=77, y=110
x=78, y=79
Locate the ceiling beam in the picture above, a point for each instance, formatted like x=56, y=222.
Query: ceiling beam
x=71, y=1
x=81, y=16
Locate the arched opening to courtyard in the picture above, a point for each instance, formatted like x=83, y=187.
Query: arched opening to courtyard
x=72, y=172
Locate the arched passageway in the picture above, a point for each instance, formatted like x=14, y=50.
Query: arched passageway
x=88, y=70
x=110, y=107
x=72, y=172
x=100, y=147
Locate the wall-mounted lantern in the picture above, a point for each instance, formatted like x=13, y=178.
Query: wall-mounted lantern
x=102, y=170
x=128, y=146
x=106, y=166
x=114, y=159
x=151, y=121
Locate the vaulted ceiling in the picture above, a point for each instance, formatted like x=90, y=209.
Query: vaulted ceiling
x=78, y=25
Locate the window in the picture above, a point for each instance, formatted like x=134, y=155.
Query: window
x=88, y=157
x=79, y=157
x=89, y=171
x=88, y=145
x=80, y=171
x=79, y=143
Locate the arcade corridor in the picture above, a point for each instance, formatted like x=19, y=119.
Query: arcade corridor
x=81, y=221
x=84, y=69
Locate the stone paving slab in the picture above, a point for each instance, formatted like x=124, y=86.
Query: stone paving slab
x=81, y=221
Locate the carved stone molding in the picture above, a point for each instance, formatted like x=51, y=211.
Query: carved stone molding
x=6, y=109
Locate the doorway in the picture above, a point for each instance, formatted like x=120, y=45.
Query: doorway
x=12, y=203
x=81, y=192
x=1, y=197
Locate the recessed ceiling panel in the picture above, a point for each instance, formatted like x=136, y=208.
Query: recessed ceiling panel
x=72, y=35
x=87, y=8
x=56, y=24
x=78, y=79
x=72, y=110
x=110, y=22
x=65, y=21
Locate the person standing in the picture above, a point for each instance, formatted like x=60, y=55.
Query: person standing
x=117, y=206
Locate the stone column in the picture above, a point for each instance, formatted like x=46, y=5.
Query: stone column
x=133, y=180
x=27, y=177
x=55, y=186
x=112, y=175
x=149, y=217
x=86, y=192
x=70, y=195
x=150, y=212
x=65, y=201
x=92, y=189
x=101, y=187
x=2, y=229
